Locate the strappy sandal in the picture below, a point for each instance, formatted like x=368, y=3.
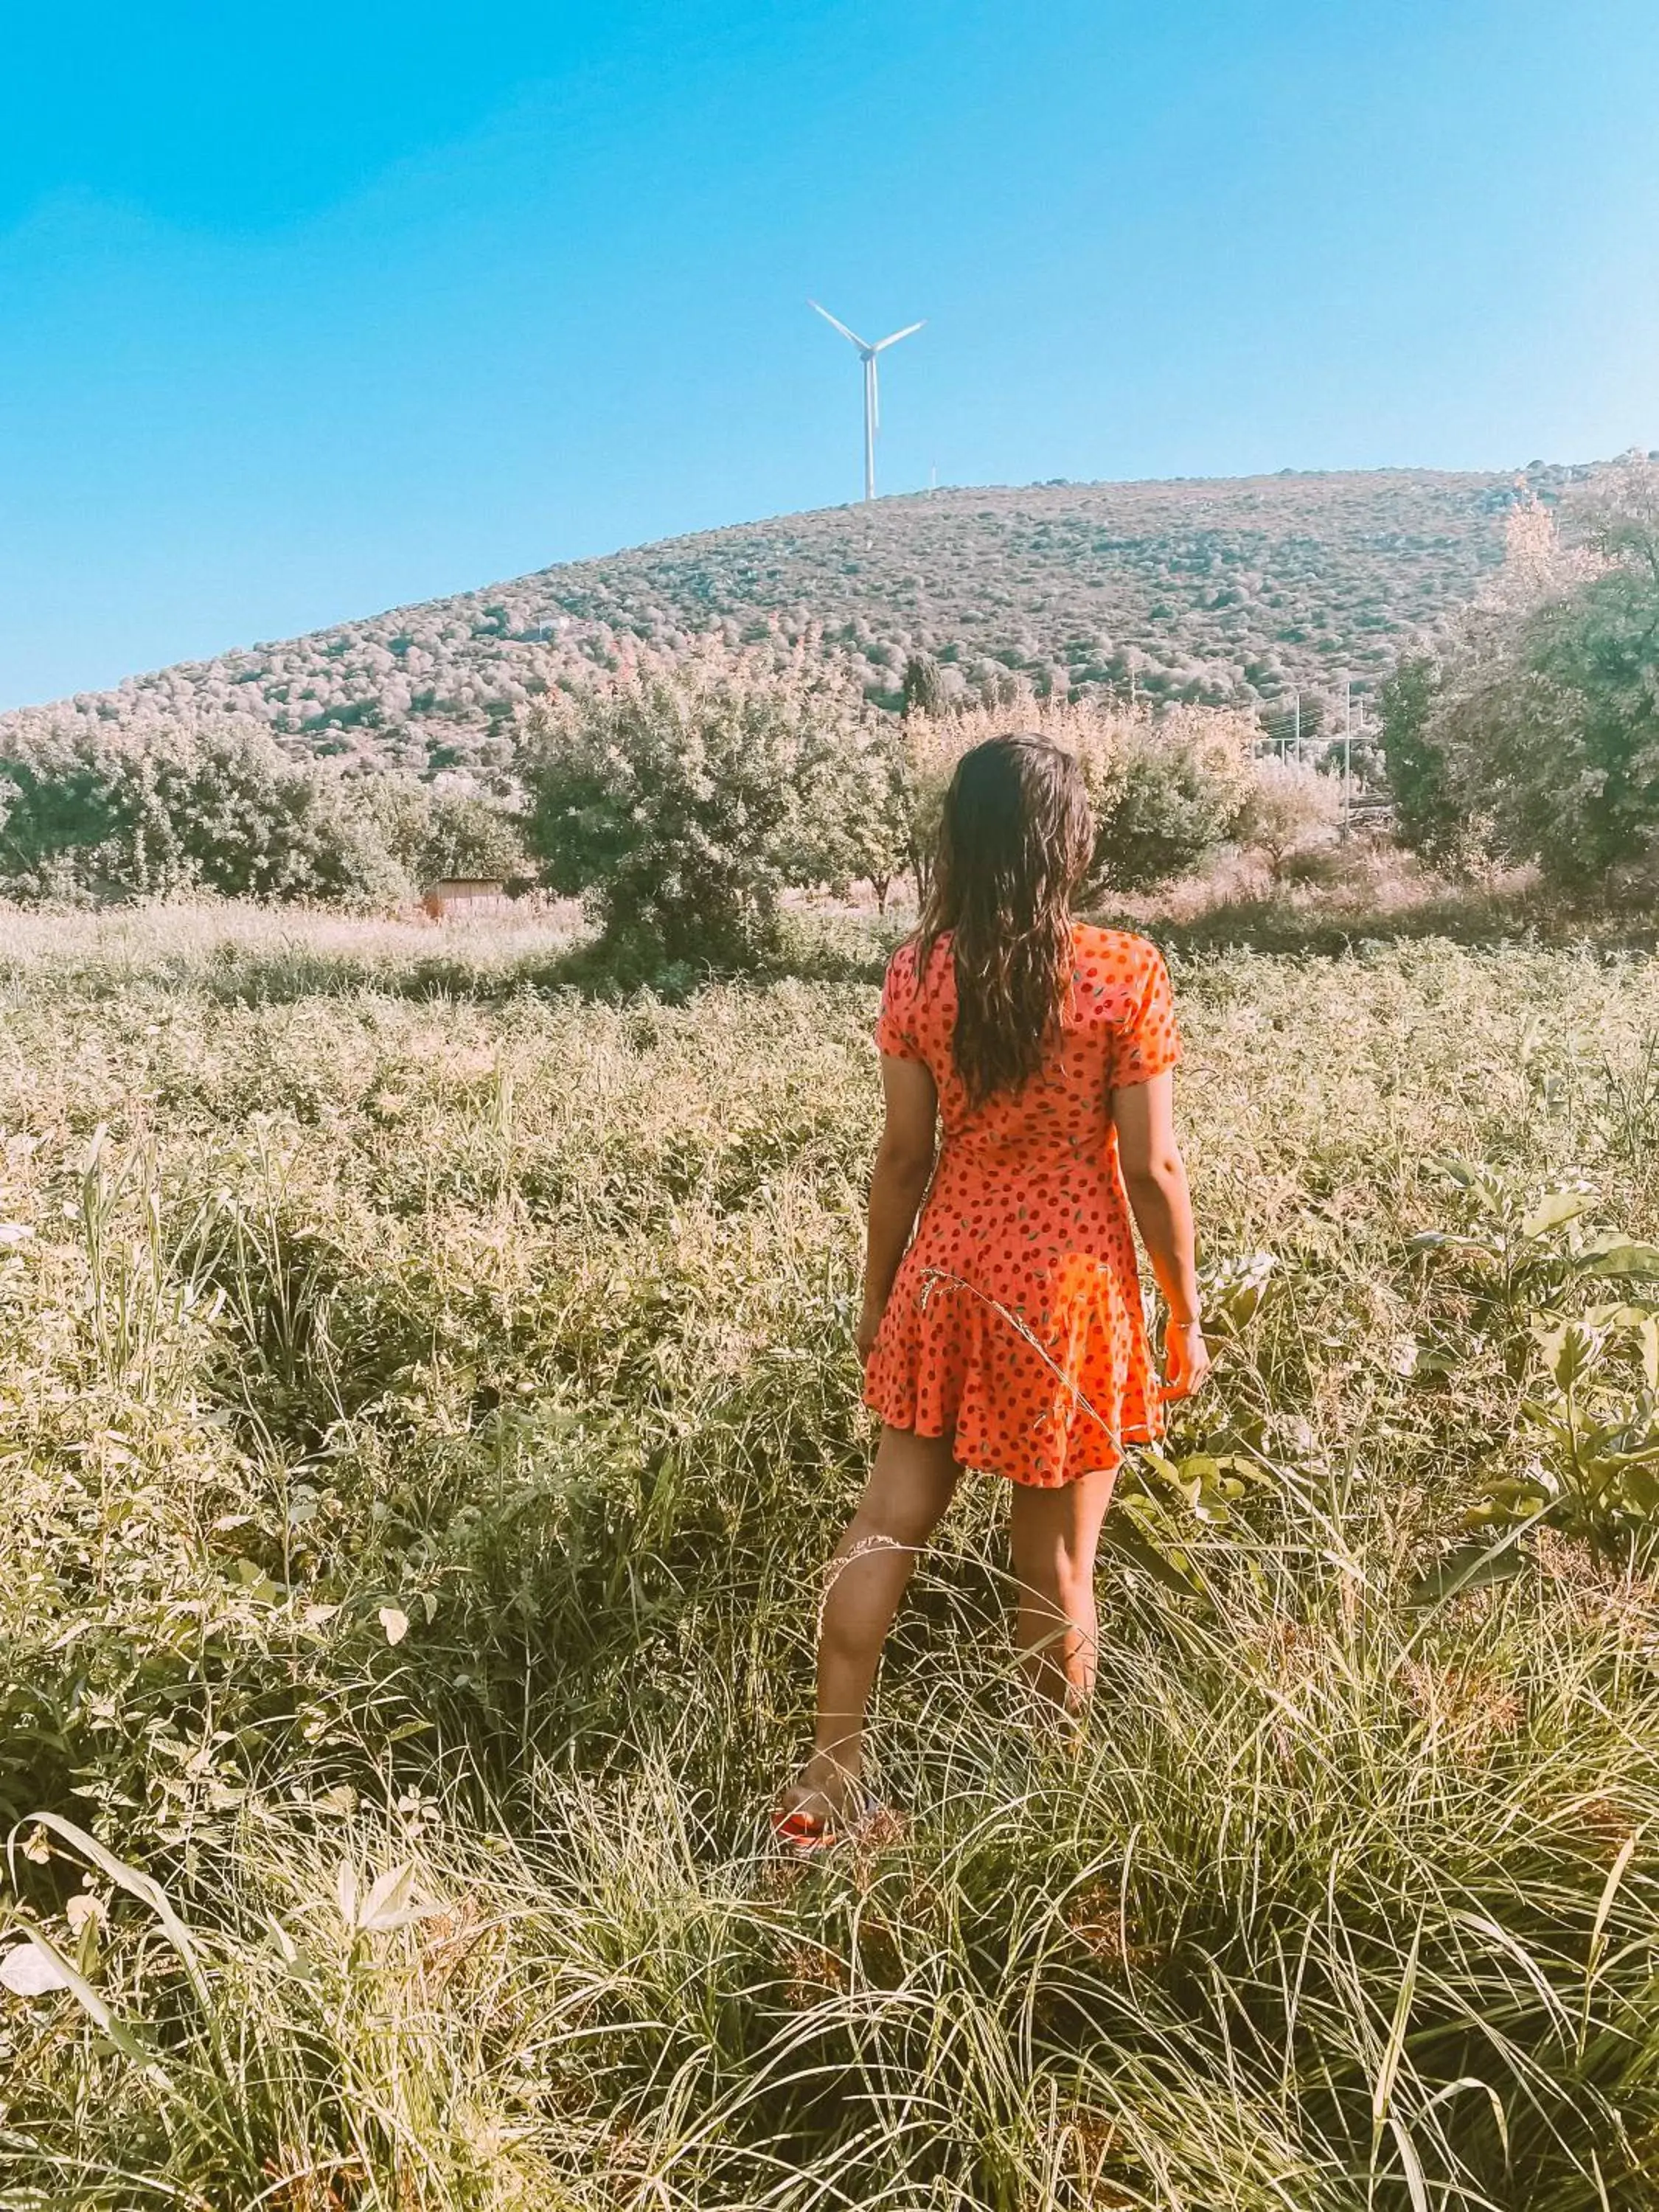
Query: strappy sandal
x=802, y=1835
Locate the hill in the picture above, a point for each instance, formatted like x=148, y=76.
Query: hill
x=1233, y=591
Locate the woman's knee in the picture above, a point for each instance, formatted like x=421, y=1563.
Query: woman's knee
x=1057, y=1573
x=911, y=1487
x=1054, y=1535
x=889, y=1523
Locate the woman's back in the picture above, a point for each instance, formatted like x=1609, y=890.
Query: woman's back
x=1117, y=1026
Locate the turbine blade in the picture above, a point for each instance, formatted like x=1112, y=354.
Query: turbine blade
x=909, y=331
x=852, y=336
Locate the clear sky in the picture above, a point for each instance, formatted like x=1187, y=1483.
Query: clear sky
x=309, y=310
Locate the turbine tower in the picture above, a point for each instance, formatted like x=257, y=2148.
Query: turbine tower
x=871, y=395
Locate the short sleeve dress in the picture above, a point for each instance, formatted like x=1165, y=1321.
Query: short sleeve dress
x=1015, y=1323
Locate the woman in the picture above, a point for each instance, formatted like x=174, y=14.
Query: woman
x=1007, y=1335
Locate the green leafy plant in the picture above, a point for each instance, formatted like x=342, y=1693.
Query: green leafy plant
x=682, y=802
x=1514, y=1252
x=1595, y=1426
x=1590, y=1416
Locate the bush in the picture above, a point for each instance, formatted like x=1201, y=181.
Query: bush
x=219, y=808
x=681, y=801
x=1534, y=735
x=1182, y=783
x=1167, y=790
x=1289, y=811
x=432, y=834
x=88, y=813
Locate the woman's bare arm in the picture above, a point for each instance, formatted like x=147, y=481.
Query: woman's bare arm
x=904, y=1162
x=1155, y=1176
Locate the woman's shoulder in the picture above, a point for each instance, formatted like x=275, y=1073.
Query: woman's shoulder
x=916, y=1002
x=904, y=965
x=1113, y=956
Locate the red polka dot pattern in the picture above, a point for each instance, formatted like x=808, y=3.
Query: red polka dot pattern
x=1015, y=1323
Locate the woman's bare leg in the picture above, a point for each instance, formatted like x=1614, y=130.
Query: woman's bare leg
x=1053, y=1535
x=911, y=1483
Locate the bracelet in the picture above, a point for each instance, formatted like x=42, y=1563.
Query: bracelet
x=1197, y=1322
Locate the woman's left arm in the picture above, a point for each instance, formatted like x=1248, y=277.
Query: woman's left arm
x=898, y=1184
x=1155, y=1178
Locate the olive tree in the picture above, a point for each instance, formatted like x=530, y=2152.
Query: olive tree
x=1532, y=733
x=162, y=810
x=681, y=802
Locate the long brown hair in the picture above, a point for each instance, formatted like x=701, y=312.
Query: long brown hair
x=1015, y=840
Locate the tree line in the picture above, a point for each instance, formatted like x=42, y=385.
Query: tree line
x=681, y=793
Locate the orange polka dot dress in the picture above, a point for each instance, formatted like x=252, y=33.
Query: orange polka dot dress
x=1015, y=1323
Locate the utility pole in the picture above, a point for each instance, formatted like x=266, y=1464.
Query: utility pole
x=1347, y=754
x=1296, y=710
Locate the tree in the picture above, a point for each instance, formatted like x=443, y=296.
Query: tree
x=1566, y=740
x=1289, y=808
x=1536, y=730
x=923, y=687
x=681, y=802
x=1428, y=818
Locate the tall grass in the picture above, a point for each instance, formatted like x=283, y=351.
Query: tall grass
x=423, y=1416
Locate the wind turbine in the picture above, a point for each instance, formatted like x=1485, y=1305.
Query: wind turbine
x=871, y=395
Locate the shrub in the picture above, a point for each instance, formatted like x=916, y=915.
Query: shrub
x=1183, y=781
x=1290, y=809
x=90, y=812
x=681, y=801
x=182, y=808
x=451, y=831
x=1535, y=732
x=1168, y=789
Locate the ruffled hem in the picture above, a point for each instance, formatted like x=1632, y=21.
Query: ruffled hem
x=1040, y=1402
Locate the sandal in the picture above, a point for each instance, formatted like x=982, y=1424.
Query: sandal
x=803, y=1834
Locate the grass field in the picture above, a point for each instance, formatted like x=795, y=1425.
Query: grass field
x=426, y=1396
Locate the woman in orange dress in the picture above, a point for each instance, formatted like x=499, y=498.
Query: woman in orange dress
x=1003, y=1327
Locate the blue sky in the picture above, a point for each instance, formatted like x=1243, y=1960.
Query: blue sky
x=311, y=311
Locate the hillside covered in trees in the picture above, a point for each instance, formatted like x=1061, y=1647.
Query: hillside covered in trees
x=1232, y=592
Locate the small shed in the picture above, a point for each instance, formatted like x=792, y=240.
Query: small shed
x=464, y=895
